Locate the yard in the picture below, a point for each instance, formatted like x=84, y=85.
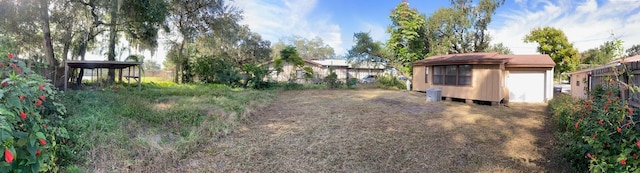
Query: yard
x=383, y=131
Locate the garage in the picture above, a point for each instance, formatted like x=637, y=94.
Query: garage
x=526, y=86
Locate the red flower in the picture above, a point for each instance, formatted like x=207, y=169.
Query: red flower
x=43, y=98
x=588, y=107
x=609, y=93
x=595, y=135
x=38, y=102
x=623, y=162
x=4, y=83
x=576, y=125
x=18, y=70
x=23, y=116
x=630, y=111
x=609, y=100
x=588, y=155
x=41, y=86
x=14, y=65
x=8, y=156
x=619, y=130
x=638, y=144
x=10, y=55
x=629, y=125
x=601, y=122
x=606, y=106
x=42, y=141
x=37, y=152
x=21, y=98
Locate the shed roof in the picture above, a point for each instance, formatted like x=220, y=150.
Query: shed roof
x=489, y=58
x=102, y=64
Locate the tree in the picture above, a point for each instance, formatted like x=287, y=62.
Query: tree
x=461, y=28
x=500, y=48
x=30, y=30
x=307, y=49
x=553, y=42
x=600, y=55
x=366, y=51
x=140, y=19
x=193, y=18
x=408, y=40
x=633, y=50
x=290, y=55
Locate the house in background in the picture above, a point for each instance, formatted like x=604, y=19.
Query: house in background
x=487, y=77
x=322, y=68
x=582, y=81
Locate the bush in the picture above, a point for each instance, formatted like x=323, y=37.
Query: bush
x=599, y=134
x=331, y=80
x=563, y=109
x=390, y=82
x=30, y=115
x=352, y=82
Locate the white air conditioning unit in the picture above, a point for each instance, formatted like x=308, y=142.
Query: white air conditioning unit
x=434, y=95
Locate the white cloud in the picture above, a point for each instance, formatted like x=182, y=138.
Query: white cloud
x=274, y=19
x=587, y=24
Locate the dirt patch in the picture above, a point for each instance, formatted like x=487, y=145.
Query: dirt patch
x=384, y=131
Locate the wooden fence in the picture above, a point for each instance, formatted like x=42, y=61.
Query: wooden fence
x=602, y=75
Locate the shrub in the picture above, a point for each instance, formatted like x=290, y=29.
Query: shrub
x=601, y=135
x=29, y=117
x=352, y=82
x=390, y=82
x=563, y=109
x=331, y=80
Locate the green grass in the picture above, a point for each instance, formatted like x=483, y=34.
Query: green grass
x=121, y=126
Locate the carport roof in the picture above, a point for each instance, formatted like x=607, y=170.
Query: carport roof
x=489, y=58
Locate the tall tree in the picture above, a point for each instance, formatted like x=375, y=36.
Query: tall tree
x=500, y=48
x=140, y=20
x=307, y=48
x=365, y=49
x=461, y=28
x=553, y=42
x=408, y=42
x=193, y=18
x=600, y=55
x=633, y=50
x=46, y=41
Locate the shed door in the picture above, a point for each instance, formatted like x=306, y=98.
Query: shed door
x=526, y=86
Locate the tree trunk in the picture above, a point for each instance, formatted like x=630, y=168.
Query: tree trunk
x=50, y=59
x=181, y=62
x=113, y=35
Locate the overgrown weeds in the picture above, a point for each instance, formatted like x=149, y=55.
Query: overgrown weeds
x=156, y=128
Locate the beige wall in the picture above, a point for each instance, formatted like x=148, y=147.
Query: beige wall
x=487, y=83
x=579, y=85
x=288, y=69
x=320, y=72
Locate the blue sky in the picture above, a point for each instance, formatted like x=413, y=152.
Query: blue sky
x=587, y=23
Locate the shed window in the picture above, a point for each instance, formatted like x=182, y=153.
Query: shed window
x=438, y=74
x=464, y=75
x=452, y=75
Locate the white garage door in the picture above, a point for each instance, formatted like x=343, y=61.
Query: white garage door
x=526, y=86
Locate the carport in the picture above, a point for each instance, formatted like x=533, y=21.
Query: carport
x=99, y=65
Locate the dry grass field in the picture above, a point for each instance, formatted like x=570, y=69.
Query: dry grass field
x=384, y=131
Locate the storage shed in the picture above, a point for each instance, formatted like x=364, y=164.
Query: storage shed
x=487, y=77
